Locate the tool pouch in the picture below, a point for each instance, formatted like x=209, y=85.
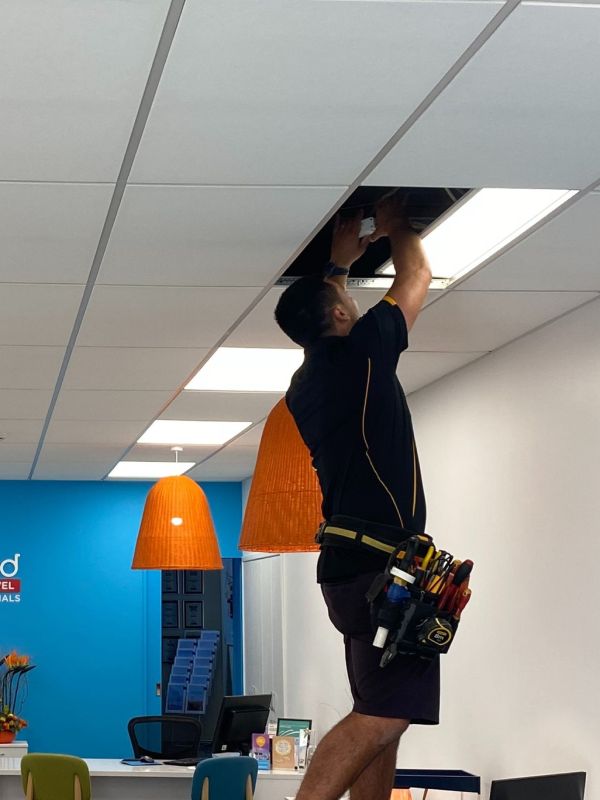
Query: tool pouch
x=415, y=625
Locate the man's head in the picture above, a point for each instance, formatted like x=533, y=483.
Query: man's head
x=313, y=307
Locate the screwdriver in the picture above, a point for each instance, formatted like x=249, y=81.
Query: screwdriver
x=460, y=575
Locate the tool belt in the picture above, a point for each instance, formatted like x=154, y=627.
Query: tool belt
x=352, y=533
x=417, y=601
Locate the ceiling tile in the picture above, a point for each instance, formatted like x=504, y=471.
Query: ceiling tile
x=29, y=367
x=131, y=368
x=259, y=328
x=290, y=93
x=73, y=471
x=480, y=321
x=50, y=231
x=160, y=316
x=221, y=405
x=17, y=452
x=37, y=314
x=109, y=405
x=92, y=432
x=97, y=453
x=14, y=470
x=231, y=464
x=21, y=431
x=24, y=403
x=525, y=111
x=210, y=236
x=252, y=437
x=561, y=256
x=72, y=80
x=416, y=370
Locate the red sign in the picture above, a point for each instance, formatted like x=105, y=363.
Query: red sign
x=10, y=585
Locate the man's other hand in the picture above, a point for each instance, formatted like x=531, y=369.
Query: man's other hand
x=346, y=247
x=390, y=217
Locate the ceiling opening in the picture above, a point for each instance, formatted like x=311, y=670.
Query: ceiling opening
x=423, y=207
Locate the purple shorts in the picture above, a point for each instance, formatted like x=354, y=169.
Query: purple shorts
x=407, y=688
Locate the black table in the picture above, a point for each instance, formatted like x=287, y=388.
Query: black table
x=452, y=780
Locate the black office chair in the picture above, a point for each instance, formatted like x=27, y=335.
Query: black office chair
x=165, y=737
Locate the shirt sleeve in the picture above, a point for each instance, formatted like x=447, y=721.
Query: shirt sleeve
x=381, y=333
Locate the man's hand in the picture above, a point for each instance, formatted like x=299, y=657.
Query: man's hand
x=346, y=247
x=390, y=217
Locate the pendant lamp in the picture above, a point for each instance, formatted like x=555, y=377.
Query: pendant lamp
x=283, y=511
x=177, y=530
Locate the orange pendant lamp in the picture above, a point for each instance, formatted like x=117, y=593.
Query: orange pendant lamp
x=177, y=530
x=283, y=511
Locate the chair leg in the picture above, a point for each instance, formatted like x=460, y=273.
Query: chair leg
x=249, y=792
x=29, y=793
x=205, y=792
x=76, y=788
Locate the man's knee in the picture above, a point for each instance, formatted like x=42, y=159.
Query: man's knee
x=385, y=730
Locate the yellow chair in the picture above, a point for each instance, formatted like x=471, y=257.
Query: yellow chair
x=52, y=777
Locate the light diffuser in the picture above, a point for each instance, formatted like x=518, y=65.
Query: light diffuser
x=149, y=469
x=479, y=225
x=248, y=369
x=191, y=432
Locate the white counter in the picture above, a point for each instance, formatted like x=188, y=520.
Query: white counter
x=112, y=780
x=15, y=749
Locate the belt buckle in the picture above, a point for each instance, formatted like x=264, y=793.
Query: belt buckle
x=319, y=536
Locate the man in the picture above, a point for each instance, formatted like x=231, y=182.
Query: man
x=351, y=412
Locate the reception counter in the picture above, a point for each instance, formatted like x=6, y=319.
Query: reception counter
x=112, y=780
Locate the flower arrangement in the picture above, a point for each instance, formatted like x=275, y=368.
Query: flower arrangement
x=13, y=668
x=10, y=723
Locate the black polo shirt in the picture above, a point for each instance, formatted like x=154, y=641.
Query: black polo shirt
x=351, y=411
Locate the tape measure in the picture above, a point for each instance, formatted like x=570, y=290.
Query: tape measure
x=435, y=632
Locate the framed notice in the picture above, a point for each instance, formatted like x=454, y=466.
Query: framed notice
x=169, y=648
x=170, y=614
x=193, y=582
x=193, y=614
x=169, y=581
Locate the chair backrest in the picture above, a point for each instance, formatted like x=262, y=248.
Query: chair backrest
x=165, y=736
x=47, y=776
x=225, y=778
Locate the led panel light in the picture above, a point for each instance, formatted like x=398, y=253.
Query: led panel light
x=149, y=469
x=479, y=225
x=247, y=369
x=191, y=432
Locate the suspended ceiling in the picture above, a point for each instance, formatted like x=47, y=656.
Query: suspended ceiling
x=162, y=164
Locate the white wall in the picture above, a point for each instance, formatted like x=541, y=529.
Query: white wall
x=510, y=450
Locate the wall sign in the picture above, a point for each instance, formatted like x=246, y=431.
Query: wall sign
x=10, y=585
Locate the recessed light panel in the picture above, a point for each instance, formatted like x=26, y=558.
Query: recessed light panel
x=149, y=469
x=481, y=224
x=191, y=432
x=248, y=369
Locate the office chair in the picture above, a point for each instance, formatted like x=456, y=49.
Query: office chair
x=225, y=779
x=165, y=736
x=45, y=776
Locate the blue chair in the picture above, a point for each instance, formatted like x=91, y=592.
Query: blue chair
x=226, y=778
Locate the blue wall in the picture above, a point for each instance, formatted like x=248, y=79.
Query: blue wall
x=89, y=622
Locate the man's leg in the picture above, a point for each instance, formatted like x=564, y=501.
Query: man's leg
x=346, y=751
x=376, y=781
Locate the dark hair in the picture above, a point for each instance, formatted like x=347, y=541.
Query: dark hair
x=303, y=309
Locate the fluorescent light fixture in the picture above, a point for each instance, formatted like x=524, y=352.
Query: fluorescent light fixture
x=247, y=369
x=479, y=225
x=149, y=469
x=191, y=432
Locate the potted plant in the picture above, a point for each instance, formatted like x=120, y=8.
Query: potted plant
x=13, y=668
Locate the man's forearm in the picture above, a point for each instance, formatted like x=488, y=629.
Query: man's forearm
x=413, y=274
x=408, y=257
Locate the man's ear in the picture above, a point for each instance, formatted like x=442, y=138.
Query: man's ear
x=340, y=314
